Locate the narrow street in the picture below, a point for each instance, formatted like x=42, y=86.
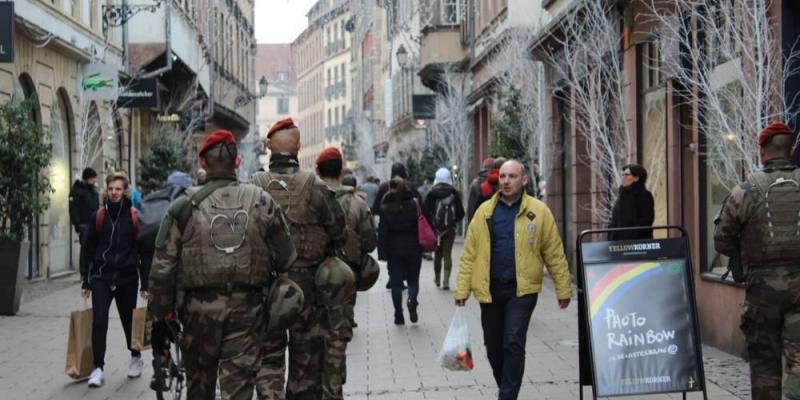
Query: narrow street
x=385, y=362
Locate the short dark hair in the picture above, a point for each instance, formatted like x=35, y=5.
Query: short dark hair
x=779, y=145
x=350, y=180
x=221, y=157
x=330, y=168
x=637, y=171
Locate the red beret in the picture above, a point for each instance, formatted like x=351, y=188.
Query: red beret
x=281, y=125
x=329, y=154
x=488, y=162
x=773, y=129
x=216, y=137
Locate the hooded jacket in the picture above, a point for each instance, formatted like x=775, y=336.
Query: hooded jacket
x=114, y=252
x=438, y=192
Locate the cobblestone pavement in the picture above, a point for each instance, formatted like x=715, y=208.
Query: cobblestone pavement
x=385, y=362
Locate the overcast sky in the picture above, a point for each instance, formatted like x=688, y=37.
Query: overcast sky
x=280, y=21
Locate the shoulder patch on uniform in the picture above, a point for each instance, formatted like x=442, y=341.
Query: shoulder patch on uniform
x=531, y=216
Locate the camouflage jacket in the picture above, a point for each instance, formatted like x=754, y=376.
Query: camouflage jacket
x=362, y=237
x=749, y=228
x=321, y=202
x=168, y=276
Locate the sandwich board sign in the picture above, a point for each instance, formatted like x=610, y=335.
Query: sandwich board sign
x=639, y=317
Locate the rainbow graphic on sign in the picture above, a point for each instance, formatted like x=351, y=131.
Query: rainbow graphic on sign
x=617, y=281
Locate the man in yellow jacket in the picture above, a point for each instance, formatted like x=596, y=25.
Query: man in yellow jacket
x=510, y=240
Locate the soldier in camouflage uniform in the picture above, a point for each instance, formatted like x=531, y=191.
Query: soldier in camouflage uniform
x=759, y=226
x=361, y=239
x=316, y=223
x=215, y=251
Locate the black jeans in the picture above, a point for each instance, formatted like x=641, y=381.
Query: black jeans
x=83, y=261
x=102, y=294
x=505, y=327
x=404, y=267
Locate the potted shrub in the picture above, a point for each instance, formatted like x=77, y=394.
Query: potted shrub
x=25, y=152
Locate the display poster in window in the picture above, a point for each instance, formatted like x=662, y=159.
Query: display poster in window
x=641, y=317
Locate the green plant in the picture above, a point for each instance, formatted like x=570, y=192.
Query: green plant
x=507, y=129
x=25, y=152
x=433, y=158
x=164, y=156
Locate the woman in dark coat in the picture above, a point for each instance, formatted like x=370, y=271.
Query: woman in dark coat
x=634, y=206
x=398, y=244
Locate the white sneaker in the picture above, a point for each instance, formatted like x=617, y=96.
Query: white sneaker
x=96, y=379
x=135, y=369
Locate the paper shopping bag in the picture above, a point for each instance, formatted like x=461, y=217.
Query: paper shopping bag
x=80, y=360
x=142, y=329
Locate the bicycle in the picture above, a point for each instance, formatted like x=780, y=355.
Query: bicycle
x=169, y=374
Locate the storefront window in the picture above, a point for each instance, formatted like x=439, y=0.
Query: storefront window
x=653, y=133
x=715, y=191
x=58, y=213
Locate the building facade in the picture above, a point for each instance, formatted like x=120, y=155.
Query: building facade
x=322, y=59
x=275, y=63
x=53, y=43
x=203, y=55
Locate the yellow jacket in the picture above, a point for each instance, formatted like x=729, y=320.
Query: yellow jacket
x=536, y=242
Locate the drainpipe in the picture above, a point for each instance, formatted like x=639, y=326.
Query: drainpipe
x=168, y=50
x=211, y=49
x=127, y=67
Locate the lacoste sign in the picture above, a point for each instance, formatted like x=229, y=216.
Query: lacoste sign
x=99, y=81
x=6, y=32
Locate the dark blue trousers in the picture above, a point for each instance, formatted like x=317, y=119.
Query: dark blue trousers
x=505, y=327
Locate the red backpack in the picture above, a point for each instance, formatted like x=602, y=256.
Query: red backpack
x=101, y=218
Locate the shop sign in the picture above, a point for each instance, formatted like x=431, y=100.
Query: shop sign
x=100, y=81
x=138, y=93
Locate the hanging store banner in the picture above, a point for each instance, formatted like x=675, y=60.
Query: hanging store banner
x=138, y=93
x=100, y=81
x=423, y=106
x=7, y=32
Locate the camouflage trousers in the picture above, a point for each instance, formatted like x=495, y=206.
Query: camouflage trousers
x=305, y=344
x=771, y=324
x=338, y=334
x=222, y=332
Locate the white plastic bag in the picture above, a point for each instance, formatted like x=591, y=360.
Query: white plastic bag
x=456, y=354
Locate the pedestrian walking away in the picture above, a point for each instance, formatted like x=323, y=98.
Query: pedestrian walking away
x=758, y=227
x=512, y=237
x=361, y=239
x=113, y=273
x=215, y=253
x=444, y=210
x=475, y=187
x=83, y=201
x=398, y=244
x=317, y=225
x=634, y=205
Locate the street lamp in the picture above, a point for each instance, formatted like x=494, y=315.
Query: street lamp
x=263, y=85
x=402, y=56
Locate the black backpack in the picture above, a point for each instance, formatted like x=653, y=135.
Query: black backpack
x=153, y=209
x=444, y=213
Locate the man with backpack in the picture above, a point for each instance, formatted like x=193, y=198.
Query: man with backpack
x=154, y=207
x=759, y=228
x=215, y=254
x=444, y=210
